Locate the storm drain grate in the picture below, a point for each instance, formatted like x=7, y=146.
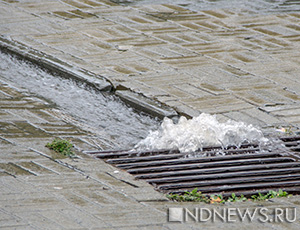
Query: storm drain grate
x=244, y=170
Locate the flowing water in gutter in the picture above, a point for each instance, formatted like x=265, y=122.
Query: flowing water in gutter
x=114, y=121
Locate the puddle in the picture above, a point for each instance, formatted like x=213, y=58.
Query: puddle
x=113, y=120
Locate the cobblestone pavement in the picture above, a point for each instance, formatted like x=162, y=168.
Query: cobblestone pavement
x=238, y=65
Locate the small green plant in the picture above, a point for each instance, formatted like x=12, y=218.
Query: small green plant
x=282, y=193
x=261, y=196
x=271, y=194
x=235, y=198
x=61, y=146
x=194, y=195
x=197, y=196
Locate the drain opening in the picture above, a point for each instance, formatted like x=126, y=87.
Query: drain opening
x=245, y=170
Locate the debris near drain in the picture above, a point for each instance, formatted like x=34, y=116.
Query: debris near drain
x=242, y=171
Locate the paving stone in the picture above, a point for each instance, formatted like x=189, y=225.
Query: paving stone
x=264, y=117
x=287, y=113
x=183, y=108
x=38, y=221
x=60, y=219
x=17, y=226
x=240, y=116
x=83, y=219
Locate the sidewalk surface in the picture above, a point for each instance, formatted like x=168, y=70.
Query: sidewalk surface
x=229, y=62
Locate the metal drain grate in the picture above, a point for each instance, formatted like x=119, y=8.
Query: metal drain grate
x=293, y=144
x=245, y=170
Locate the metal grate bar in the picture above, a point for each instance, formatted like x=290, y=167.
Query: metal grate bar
x=210, y=165
x=290, y=138
x=293, y=144
x=215, y=176
x=240, y=187
x=128, y=153
x=144, y=159
x=220, y=170
x=234, y=181
x=196, y=160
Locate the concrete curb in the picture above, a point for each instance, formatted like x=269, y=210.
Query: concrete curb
x=145, y=104
x=53, y=64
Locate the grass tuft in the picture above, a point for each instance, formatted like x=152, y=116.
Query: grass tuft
x=61, y=146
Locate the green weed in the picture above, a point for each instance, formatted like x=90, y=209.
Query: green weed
x=61, y=146
x=271, y=194
x=234, y=198
x=190, y=196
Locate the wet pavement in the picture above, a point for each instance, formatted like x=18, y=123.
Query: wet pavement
x=103, y=113
x=232, y=63
x=239, y=64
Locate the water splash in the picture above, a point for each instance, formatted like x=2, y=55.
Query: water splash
x=199, y=132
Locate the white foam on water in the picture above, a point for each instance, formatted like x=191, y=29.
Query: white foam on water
x=199, y=132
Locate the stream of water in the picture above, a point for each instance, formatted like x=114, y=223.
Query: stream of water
x=115, y=121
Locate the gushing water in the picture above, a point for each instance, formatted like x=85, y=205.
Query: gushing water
x=198, y=132
x=116, y=124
